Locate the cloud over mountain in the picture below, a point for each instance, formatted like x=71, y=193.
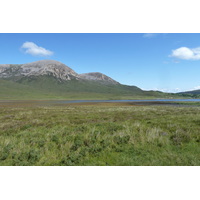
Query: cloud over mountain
x=34, y=50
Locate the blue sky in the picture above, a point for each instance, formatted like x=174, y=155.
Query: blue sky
x=166, y=62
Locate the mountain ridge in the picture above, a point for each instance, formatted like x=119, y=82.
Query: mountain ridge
x=50, y=79
x=50, y=67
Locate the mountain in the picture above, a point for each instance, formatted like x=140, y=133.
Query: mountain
x=192, y=94
x=38, y=68
x=50, y=79
x=52, y=68
x=97, y=76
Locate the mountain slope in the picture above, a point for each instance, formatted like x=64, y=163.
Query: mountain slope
x=10, y=90
x=192, y=94
x=49, y=79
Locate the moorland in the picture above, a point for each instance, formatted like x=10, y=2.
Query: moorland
x=92, y=134
x=34, y=131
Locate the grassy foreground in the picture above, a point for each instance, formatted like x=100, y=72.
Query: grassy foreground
x=99, y=134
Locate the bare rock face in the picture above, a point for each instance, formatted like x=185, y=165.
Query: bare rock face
x=7, y=70
x=43, y=67
x=50, y=67
x=97, y=76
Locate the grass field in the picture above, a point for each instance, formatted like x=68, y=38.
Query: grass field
x=99, y=134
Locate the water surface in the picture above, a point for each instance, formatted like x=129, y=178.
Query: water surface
x=135, y=100
x=29, y=103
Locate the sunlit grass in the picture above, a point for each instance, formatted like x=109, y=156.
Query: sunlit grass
x=99, y=134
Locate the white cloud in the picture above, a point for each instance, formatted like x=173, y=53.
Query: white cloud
x=34, y=50
x=177, y=90
x=196, y=88
x=150, y=35
x=167, y=90
x=186, y=53
x=170, y=90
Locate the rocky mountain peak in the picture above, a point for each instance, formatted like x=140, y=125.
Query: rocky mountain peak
x=42, y=67
x=97, y=76
x=50, y=67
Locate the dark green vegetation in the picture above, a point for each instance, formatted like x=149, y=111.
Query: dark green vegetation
x=192, y=94
x=48, y=87
x=99, y=134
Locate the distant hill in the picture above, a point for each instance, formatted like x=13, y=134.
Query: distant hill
x=50, y=79
x=192, y=94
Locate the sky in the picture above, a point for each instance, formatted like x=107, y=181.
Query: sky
x=151, y=61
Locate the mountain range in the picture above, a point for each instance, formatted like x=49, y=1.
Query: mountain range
x=52, y=68
x=50, y=79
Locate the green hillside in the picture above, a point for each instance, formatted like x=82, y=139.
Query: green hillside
x=49, y=87
x=12, y=90
x=191, y=94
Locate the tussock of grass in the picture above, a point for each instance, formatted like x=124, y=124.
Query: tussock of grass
x=99, y=135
